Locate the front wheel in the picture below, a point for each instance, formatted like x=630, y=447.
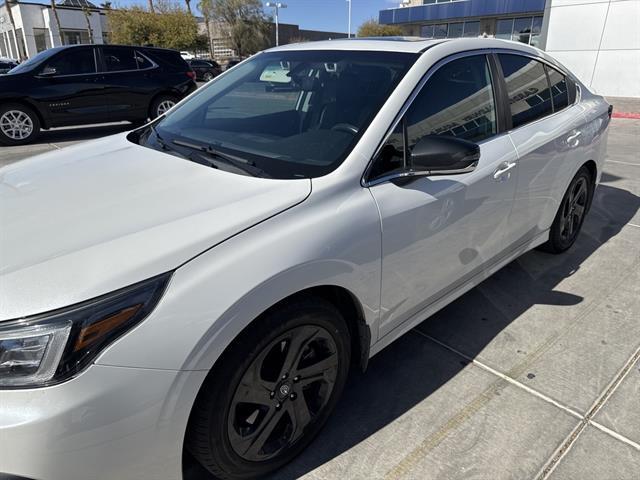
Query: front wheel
x=272, y=391
x=18, y=124
x=571, y=214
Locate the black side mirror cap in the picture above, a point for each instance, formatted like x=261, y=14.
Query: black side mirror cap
x=444, y=155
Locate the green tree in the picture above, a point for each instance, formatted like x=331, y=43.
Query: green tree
x=167, y=26
x=246, y=23
x=372, y=28
x=206, y=8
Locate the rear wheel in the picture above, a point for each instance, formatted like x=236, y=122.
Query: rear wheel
x=18, y=124
x=571, y=214
x=272, y=392
x=162, y=104
x=207, y=77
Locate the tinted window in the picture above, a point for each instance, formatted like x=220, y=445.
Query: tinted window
x=391, y=156
x=142, y=61
x=75, y=61
x=118, y=59
x=559, y=90
x=527, y=88
x=456, y=101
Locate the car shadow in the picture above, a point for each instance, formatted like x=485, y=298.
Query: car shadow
x=404, y=374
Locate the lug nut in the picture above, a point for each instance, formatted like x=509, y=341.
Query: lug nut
x=278, y=406
x=272, y=394
x=284, y=377
x=293, y=396
x=296, y=378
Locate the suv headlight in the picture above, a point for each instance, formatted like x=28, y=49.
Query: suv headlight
x=52, y=347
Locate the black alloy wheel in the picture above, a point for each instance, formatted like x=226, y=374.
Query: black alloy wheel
x=571, y=214
x=272, y=391
x=282, y=391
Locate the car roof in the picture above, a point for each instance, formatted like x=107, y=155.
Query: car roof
x=406, y=44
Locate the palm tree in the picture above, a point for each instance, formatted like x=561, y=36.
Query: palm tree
x=151, y=9
x=87, y=17
x=188, y=2
x=205, y=7
x=57, y=18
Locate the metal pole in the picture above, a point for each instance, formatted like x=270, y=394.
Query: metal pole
x=349, y=35
x=276, y=6
x=277, y=29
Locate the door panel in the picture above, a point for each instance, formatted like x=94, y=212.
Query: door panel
x=438, y=231
x=549, y=144
x=129, y=82
x=70, y=90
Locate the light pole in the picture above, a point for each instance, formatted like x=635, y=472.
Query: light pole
x=276, y=6
x=349, y=34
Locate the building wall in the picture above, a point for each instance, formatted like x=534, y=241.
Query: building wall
x=598, y=40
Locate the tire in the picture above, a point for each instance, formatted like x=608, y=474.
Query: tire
x=161, y=104
x=571, y=214
x=208, y=76
x=228, y=431
x=24, y=120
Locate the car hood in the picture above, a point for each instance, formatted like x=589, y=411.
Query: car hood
x=89, y=219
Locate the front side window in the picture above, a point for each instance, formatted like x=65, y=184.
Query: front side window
x=75, y=61
x=456, y=101
x=527, y=88
x=293, y=114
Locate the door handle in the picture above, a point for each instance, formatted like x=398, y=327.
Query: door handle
x=504, y=167
x=573, y=140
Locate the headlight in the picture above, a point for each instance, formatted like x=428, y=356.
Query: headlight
x=52, y=347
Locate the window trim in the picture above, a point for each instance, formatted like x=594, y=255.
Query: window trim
x=365, y=181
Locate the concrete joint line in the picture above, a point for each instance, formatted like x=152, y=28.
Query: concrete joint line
x=566, y=446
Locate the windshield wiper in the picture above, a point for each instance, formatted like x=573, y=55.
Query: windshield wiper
x=247, y=166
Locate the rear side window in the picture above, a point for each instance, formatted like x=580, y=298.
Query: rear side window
x=75, y=61
x=119, y=59
x=527, y=88
x=169, y=59
x=559, y=89
x=457, y=101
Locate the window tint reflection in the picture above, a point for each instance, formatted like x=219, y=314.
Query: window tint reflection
x=527, y=88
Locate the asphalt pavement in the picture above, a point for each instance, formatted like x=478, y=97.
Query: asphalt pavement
x=534, y=374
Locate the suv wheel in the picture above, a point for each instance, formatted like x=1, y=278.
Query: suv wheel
x=271, y=392
x=18, y=124
x=162, y=104
x=207, y=77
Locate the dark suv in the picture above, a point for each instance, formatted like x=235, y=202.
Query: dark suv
x=6, y=65
x=206, y=70
x=85, y=84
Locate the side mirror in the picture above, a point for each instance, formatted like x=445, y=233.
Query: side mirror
x=439, y=155
x=48, y=72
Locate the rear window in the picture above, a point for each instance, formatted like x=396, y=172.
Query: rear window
x=527, y=88
x=559, y=89
x=168, y=59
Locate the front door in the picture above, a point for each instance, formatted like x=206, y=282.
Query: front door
x=439, y=231
x=70, y=90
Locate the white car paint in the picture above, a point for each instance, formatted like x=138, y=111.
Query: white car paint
x=239, y=245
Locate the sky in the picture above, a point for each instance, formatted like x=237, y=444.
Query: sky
x=330, y=15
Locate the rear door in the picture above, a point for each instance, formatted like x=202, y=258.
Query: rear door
x=70, y=90
x=128, y=86
x=547, y=131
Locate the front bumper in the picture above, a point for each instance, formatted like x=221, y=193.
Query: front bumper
x=108, y=423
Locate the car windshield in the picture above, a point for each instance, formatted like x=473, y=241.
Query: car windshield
x=294, y=114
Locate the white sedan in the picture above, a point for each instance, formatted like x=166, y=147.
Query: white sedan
x=205, y=283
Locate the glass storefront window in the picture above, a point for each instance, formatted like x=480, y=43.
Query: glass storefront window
x=440, y=30
x=42, y=39
x=426, y=31
x=504, y=28
x=455, y=30
x=471, y=29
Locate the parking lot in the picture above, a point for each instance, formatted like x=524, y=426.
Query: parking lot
x=534, y=374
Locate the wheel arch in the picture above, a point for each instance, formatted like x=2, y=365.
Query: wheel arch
x=153, y=99
x=26, y=103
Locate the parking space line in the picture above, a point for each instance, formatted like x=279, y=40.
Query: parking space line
x=623, y=163
x=633, y=225
x=565, y=447
x=585, y=420
x=503, y=376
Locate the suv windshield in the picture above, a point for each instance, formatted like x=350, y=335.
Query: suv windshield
x=293, y=114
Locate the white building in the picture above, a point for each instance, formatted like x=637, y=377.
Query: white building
x=598, y=40
x=29, y=28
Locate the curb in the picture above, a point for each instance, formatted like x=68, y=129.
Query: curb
x=633, y=116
